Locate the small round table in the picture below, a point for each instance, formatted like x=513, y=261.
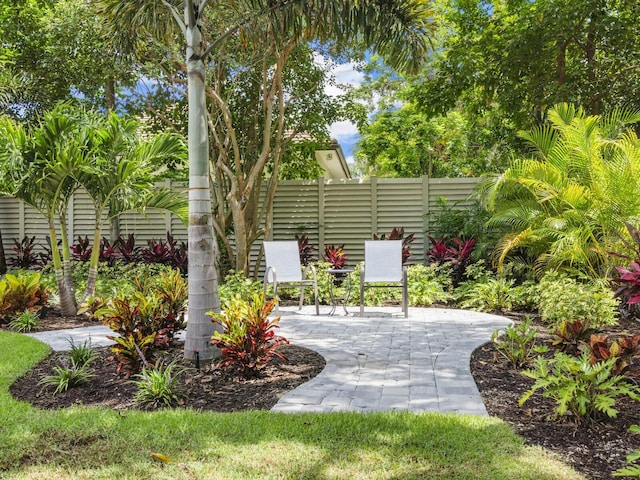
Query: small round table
x=335, y=300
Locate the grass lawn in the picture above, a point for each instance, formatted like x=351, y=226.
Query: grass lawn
x=90, y=443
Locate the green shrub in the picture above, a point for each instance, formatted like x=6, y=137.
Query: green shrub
x=248, y=339
x=517, y=344
x=159, y=385
x=426, y=285
x=25, y=322
x=66, y=375
x=578, y=387
x=236, y=284
x=492, y=295
x=563, y=299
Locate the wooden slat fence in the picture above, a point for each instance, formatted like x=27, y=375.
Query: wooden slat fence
x=328, y=211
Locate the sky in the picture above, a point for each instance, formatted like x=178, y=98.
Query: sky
x=346, y=133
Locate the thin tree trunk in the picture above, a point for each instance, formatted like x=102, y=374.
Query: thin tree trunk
x=92, y=276
x=3, y=258
x=67, y=302
x=203, y=280
x=66, y=260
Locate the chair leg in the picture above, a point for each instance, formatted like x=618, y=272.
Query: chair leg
x=405, y=294
x=315, y=296
x=301, y=297
x=275, y=298
x=361, y=294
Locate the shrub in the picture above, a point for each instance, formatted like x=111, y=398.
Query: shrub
x=236, y=284
x=425, y=286
x=305, y=249
x=158, y=385
x=335, y=256
x=457, y=252
x=21, y=292
x=144, y=324
x=563, y=299
x=25, y=322
x=25, y=256
x=492, y=295
x=81, y=250
x=579, y=388
x=517, y=344
x=248, y=340
x=66, y=375
x=623, y=350
x=569, y=335
x=167, y=253
x=126, y=251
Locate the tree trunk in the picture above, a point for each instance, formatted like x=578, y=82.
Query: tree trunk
x=203, y=280
x=68, y=306
x=3, y=258
x=92, y=276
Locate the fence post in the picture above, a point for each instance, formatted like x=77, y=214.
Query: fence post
x=374, y=206
x=167, y=215
x=425, y=210
x=321, y=206
x=23, y=220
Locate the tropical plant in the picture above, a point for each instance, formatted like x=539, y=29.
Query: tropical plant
x=126, y=251
x=629, y=280
x=562, y=299
x=566, y=207
x=624, y=349
x=335, y=256
x=143, y=325
x=25, y=322
x=305, y=249
x=248, y=340
x=493, y=295
x=579, y=388
x=120, y=177
x=517, y=344
x=81, y=250
x=25, y=255
x=569, y=335
x=67, y=375
x=22, y=291
x=456, y=252
x=426, y=286
x=158, y=385
x=236, y=284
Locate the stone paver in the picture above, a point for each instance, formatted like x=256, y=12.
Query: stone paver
x=381, y=361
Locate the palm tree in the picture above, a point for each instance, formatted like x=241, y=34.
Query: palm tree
x=566, y=206
x=398, y=29
x=37, y=167
x=120, y=176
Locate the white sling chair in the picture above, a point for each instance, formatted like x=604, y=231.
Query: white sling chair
x=383, y=264
x=283, y=267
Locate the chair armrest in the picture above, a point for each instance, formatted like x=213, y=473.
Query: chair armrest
x=313, y=272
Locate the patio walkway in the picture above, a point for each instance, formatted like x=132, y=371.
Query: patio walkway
x=381, y=361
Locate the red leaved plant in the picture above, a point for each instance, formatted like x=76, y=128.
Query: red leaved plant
x=600, y=348
x=334, y=254
x=248, y=340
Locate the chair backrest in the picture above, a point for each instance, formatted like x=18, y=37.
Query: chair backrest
x=383, y=261
x=284, y=257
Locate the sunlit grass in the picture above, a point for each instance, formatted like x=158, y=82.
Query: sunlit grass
x=95, y=443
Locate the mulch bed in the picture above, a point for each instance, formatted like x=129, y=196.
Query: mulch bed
x=595, y=449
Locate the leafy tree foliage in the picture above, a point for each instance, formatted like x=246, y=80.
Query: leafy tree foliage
x=57, y=50
x=527, y=55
